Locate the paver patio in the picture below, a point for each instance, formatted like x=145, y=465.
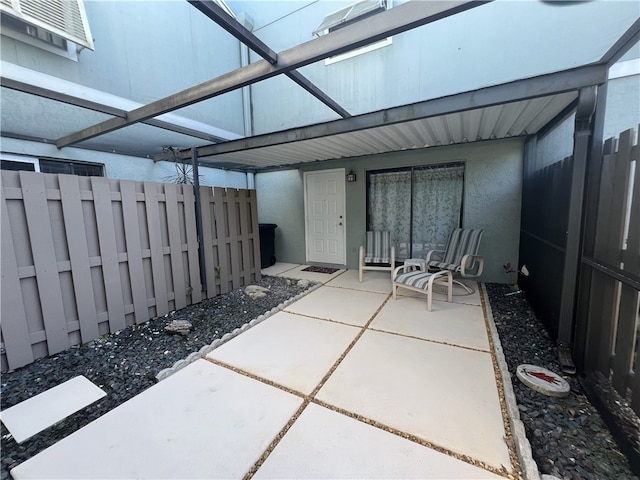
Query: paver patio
x=344, y=383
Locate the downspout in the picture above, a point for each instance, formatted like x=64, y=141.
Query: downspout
x=581, y=141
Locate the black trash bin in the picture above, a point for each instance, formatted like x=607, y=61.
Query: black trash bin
x=267, y=244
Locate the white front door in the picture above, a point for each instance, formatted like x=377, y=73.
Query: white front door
x=324, y=216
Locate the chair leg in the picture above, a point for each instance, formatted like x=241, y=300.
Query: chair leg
x=467, y=289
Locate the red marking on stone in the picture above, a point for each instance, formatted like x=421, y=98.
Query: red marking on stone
x=544, y=376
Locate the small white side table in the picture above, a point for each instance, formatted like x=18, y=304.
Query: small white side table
x=420, y=263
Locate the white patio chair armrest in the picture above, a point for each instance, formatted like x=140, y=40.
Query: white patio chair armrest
x=393, y=256
x=397, y=270
x=436, y=253
x=361, y=255
x=471, y=266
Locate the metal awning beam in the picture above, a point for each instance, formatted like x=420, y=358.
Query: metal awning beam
x=235, y=28
x=394, y=21
x=316, y=92
x=554, y=83
x=43, y=92
x=624, y=43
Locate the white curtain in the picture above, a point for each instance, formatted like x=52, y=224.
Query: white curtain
x=437, y=205
x=420, y=208
x=390, y=207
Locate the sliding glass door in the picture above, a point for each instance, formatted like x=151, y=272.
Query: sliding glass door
x=420, y=206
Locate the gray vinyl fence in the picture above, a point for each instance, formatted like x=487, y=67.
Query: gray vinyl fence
x=86, y=256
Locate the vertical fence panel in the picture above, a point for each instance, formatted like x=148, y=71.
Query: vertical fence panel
x=234, y=238
x=220, y=214
x=628, y=296
x=633, y=260
x=134, y=250
x=255, y=232
x=44, y=258
x=209, y=241
x=157, y=254
x=79, y=256
x=246, y=264
x=175, y=246
x=604, y=288
x=15, y=331
x=543, y=238
x=192, y=243
x=108, y=252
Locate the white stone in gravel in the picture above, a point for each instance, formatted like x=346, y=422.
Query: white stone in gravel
x=255, y=291
x=37, y=413
x=181, y=327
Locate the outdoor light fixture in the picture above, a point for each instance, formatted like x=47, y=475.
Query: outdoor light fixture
x=351, y=176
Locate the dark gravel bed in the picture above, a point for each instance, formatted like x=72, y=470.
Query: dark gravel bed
x=126, y=363
x=568, y=437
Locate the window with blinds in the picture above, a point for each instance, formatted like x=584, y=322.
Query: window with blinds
x=64, y=18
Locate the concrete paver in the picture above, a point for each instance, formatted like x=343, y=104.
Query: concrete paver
x=340, y=304
x=290, y=350
x=379, y=282
x=443, y=394
x=325, y=444
x=454, y=323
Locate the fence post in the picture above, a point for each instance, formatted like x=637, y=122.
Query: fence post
x=196, y=191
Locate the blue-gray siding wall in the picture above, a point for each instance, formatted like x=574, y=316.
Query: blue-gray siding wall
x=492, y=44
x=623, y=105
x=145, y=51
x=493, y=190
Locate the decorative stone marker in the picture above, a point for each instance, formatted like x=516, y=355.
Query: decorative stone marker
x=179, y=327
x=543, y=380
x=255, y=292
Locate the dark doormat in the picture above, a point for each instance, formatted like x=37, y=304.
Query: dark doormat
x=320, y=270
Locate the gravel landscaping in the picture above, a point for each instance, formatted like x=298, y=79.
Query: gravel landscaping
x=568, y=438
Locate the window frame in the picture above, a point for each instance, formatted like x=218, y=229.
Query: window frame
x=68, y=19
x=386, y=5
x=38, y=167
x=9, y=30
